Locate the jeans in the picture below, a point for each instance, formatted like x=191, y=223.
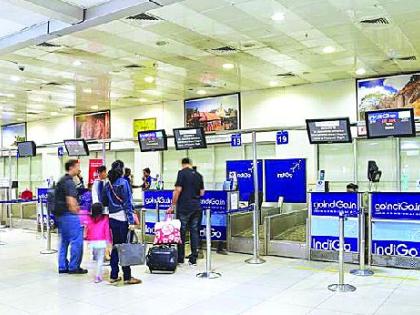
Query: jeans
x=71, y=234
x=189, y=220
x=119, y=231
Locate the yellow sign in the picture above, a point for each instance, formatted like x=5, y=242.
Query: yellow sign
x=143, y=125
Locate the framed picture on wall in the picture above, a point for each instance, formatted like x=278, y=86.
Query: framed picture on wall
x=11, y=134
x=387, y=92
x=93, y=126
x=144, y=124
x=213, y=113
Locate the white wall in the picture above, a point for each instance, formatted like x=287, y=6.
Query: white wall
x=277, y=107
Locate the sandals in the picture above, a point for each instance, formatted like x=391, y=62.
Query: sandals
x=115, y=280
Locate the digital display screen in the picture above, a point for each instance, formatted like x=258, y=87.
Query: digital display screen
x=322, y=131
x=76, y=147
x=154, y=140
x=27, y=148
x=190, y=138
x=390, y=123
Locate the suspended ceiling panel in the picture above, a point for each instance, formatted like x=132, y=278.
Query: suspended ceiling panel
x=199, y=47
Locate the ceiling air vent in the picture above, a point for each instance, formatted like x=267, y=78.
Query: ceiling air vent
x=224, y=50
x=133, y=66
x=45, y=44
x=375, y=21
x=286, y=75
x=53, y=84
x=143, y=17
x=408, y=58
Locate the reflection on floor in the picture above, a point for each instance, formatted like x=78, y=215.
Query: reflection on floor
x=30, y=285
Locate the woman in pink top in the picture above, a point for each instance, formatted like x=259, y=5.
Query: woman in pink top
x=98, y=234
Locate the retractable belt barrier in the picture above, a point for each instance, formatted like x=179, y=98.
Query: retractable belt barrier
x=48, y=250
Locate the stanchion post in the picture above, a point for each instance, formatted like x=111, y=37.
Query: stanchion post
x=341, y=286
x=208, y=274
x=48, y=250
x=256, y=259
x=42, y=219
x=362, y=271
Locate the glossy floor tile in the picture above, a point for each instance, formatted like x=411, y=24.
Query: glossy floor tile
x=30, y=285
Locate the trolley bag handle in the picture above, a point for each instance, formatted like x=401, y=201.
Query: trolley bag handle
x=132, y=238
x=169, y=217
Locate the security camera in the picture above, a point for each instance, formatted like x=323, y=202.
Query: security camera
x=21, y=68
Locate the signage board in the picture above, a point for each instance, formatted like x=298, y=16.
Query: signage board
x=236, y=140
x=244, y=174
x=282, y=137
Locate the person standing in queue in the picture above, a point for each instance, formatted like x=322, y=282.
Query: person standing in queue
x=99, y=184
x=69, y=228
x=189, y=188
x=118, y=198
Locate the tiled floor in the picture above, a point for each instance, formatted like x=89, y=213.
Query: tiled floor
x=29, y=284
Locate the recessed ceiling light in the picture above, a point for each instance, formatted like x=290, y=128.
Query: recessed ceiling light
x=142, y=100
x=201, y=92
x=15, y=78
x=152, y=92
x=94, y=107
x=360, y=71
x=228, y=66
x=328, y=49
x=149, y=79
x=77, y=63
x=274, y=83
x=7, y=94
x=278, y=16
x=87, y=91
x=54, y=114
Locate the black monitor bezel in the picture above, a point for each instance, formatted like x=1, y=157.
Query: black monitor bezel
x=346, y=119
x=165, y=138
x=85, y=145
x=191, y=148
x=33, y=149
x=413, y=123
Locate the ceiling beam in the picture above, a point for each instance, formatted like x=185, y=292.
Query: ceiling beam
x=52, y=9
x=107, y=12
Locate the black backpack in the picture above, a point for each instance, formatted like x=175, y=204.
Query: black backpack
x=56, y=197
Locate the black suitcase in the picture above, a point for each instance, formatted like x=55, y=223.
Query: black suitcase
x=162, y=258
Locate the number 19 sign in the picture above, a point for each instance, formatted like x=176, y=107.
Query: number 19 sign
x=282, y=137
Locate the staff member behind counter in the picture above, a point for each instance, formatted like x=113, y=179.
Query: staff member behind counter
x=189, y=188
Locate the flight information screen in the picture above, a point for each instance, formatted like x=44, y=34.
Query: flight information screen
x=154, y=140
x=190, y=138
x=26, y=148
x=328, y=130
x=77, y=147
x=390, y=123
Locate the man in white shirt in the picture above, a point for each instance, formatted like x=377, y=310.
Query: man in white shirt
x=99, y=184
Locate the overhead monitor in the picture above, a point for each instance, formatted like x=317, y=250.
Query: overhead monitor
x=336, y=130
x=154, y=140
x=76, y=147
x=190, y=138
x=397, y=122
x=26, y=148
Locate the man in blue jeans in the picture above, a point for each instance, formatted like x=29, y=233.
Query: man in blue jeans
x=189, y=188
x=69, y=227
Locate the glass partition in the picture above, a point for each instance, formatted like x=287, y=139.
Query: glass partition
x=24, y=173
x=384, y=153
x=410, y=164
x=338, y=162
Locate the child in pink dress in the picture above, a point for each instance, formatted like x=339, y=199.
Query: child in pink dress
x=98, y=235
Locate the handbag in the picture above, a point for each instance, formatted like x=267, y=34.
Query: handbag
x=168, y=231
x=131, y=253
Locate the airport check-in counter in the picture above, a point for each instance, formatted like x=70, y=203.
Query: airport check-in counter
x=156, y=202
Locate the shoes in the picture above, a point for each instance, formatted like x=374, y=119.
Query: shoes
x=98, y=279
x=63, y=271
x=222, y=252
x=115, y=280
x=133, y=281
x=192, y=262
x=79, y=271
x=180, y=262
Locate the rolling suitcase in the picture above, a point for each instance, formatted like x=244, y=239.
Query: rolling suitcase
x=162, y=259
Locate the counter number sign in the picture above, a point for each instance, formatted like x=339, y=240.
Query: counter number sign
x=60, y=151
x=282, y=137
x=236, y=140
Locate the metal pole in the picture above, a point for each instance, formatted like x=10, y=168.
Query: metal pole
x=42, y=219
x=48, y=250
x=208, y=274
x=256, y=215
x=362, y=271
x=103, y=153
x=143, y=225
x=341, y=286
x=398, y=159
x=9, y=190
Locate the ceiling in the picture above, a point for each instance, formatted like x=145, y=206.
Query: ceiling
x=200, y=47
